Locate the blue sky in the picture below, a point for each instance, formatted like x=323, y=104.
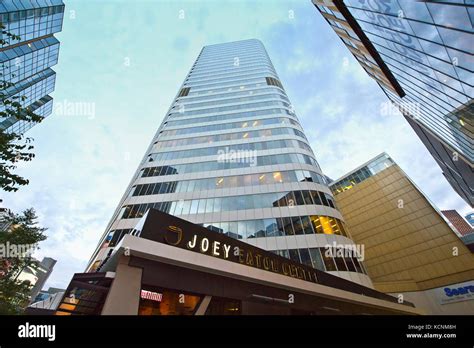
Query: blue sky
x=125, y=60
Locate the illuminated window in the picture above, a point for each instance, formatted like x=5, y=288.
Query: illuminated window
x=86, y=297
x=334, y=227
x=326, y=224
x=318, y=228
x=168, y=302
x=277, y=177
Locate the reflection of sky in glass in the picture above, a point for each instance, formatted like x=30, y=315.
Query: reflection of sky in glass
x=30, y=24
x=425, y=31
x=457, y=39
x=450, y=16
x=413, y=48
x=415, y=9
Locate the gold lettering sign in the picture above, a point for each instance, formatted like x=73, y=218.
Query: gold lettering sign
x=247, y=256
x=178, y=235
x=293, y=271
x=241, y=255
x=275, y=265
x=286, y=268
x=249, y=259
x=266, y=263
x=302, y=273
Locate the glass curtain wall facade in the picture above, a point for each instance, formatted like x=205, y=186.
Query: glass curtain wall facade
x=421, y=54
x=231, y=155
x=26, y=62
x=362, y=173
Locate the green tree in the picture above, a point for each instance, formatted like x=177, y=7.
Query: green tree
x=19, y=229
x=14, y=146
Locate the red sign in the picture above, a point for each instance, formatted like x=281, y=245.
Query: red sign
x=150, y=295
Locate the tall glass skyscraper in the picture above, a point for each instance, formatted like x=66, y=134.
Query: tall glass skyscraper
x=231, y=155
x=26, y=62
x=421, y=55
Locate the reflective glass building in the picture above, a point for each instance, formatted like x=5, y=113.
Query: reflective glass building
x=26, y=62
x=420, y=53
x=231, y=155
